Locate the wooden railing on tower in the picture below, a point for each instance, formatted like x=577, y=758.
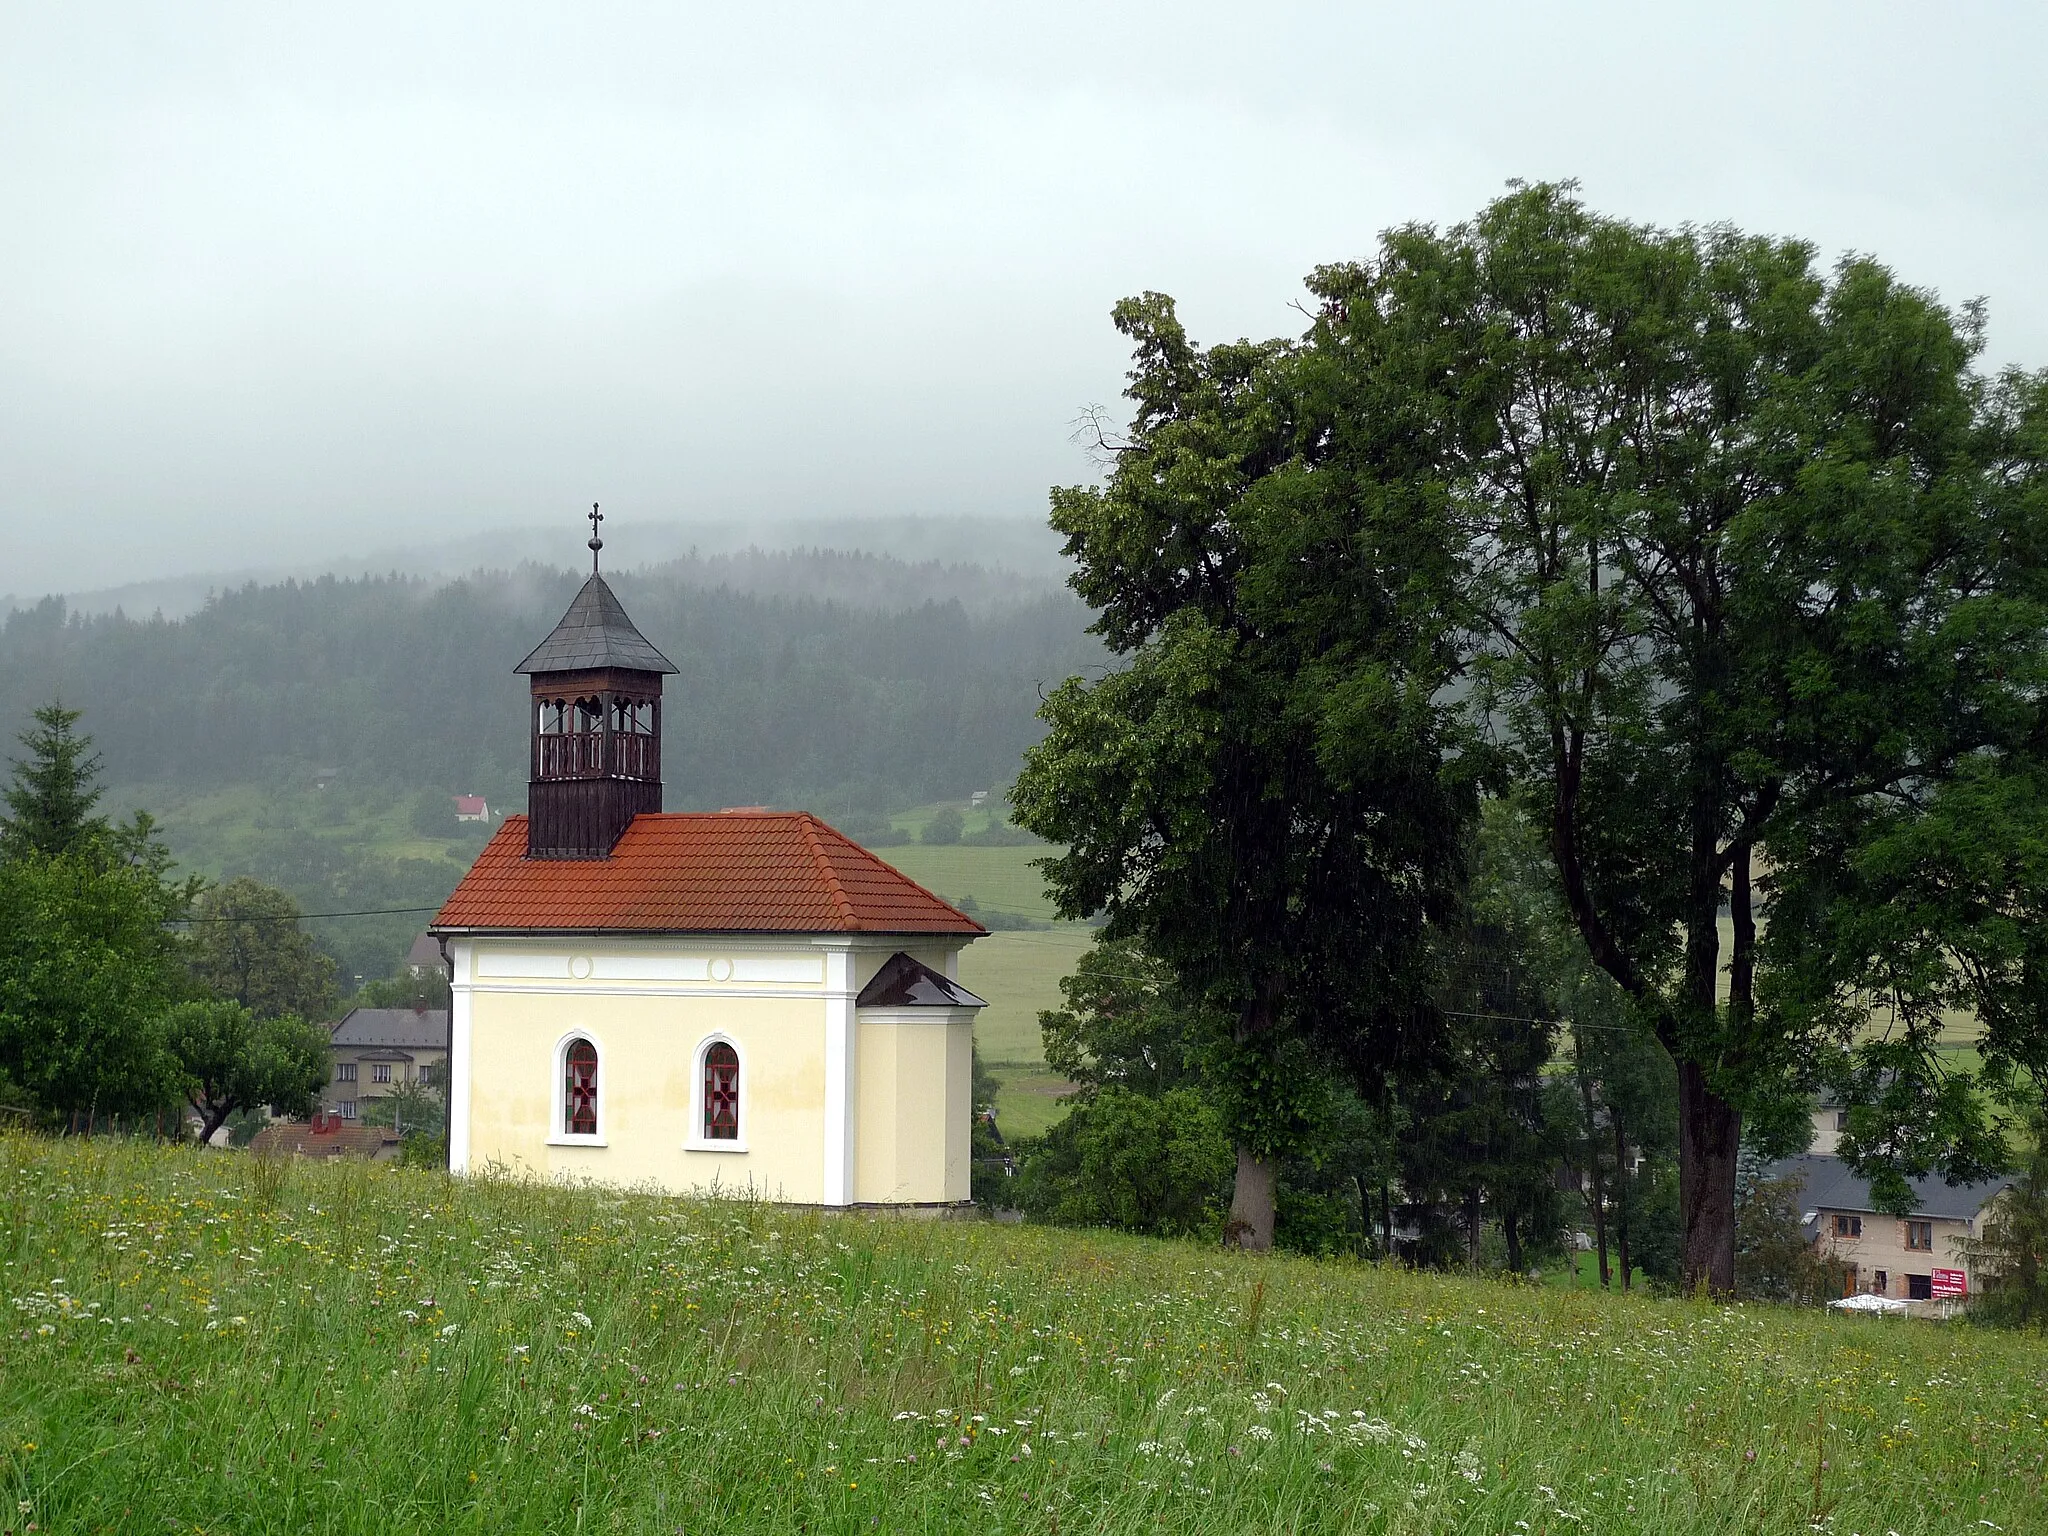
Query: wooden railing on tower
x=596, y=755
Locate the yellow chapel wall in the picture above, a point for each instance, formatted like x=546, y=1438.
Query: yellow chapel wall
x=648, y=1051
x=912, y=1113
x=914, y=1110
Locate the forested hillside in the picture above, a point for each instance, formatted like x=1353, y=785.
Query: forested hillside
x=782, y=699
x=312, y=733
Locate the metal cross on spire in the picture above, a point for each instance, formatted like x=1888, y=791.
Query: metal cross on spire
x=596, y=543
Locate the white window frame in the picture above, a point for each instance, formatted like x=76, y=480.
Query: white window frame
x=558, y=1097
x=347, y=1109
x=380, y=1072
x=698, y=1141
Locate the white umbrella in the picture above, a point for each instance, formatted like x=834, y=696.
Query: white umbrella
x=1868, y=1303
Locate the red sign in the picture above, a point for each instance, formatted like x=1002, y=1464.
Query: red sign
x=1951, y=1282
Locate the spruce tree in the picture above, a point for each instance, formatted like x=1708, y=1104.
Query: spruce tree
x=50, y=803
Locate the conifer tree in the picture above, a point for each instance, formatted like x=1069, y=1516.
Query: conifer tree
x=50, y=803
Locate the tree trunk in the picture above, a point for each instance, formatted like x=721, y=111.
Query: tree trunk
x=1709, y=1134
x=1251, y=1203
x=211, y=1120
x=1387, y=1217
x=1252, y=1196
x=1593, y=1159
x=1512, y=1232
x=1474, y=1212
x=1621, y=1178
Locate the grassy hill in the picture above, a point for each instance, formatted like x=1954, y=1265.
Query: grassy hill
x=205, y=1341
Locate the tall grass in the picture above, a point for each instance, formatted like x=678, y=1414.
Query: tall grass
x=199, y=1341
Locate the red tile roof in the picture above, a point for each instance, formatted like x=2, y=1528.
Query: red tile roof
x=715, y=872
x=329, y=1136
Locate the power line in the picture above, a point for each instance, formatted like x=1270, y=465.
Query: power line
x=307, y=917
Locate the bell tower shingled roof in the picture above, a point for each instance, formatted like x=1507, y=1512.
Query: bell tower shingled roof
x=595, y=633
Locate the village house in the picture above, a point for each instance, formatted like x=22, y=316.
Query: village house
x=424, y=958
x=1916, y=1257
x=375, y=1051
x=471, y=808
x=744, y=1001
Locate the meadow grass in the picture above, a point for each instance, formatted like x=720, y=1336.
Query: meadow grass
x=202, y=1341
x=998, y=878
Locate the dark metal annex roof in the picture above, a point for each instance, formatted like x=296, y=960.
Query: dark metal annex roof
x=595, y=633
x=1829, y=1184
x=414, y=1029
x=906, y=983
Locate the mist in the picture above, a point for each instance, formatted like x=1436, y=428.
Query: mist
x=283, y=287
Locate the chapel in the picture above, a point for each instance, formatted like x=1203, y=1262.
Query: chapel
x=741, y=1000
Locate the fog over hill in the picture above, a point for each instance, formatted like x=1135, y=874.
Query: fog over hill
x=814, y=675
x=977, y=560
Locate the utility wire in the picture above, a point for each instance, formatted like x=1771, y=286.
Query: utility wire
x=306, y=917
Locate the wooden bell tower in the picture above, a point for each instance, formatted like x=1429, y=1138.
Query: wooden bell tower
x=595, y=717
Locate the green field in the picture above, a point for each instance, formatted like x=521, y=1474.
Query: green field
x=1017, y=972
x=1000, y=879
x=206, y=1342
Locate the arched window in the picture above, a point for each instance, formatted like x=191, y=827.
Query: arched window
x=721, y=1093
x=579, y=1089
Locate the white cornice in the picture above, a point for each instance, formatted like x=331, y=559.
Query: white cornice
x=917, y=1014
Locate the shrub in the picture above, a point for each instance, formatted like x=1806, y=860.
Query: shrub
x=2011, y=1253
x=1773, y=1259
x=1122, y=1159
x=998, y=834
x=943, y=827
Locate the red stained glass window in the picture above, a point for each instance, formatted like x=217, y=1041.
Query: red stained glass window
x=579, y=1089
x=722, y=1093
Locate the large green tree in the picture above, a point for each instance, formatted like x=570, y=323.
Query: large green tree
x=246, y=945
x=229, y=1059
x=1754, y=580
x=86, y=971
x=1264, y=793
x=87, y=963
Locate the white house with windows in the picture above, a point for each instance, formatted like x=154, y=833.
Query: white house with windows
x=375, y=1051
x=743, y=1000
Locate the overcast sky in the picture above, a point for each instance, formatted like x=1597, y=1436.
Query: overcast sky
x=278, y=285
